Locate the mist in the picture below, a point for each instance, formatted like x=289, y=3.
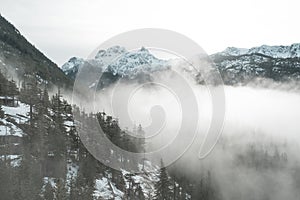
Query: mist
x=259, y=118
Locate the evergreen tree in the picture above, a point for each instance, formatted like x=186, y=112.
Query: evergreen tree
x=29, y=94
x=3, y=85
x=163, y=186
x=4, y=185
x=81, y=190
x=1, y=112
x=61, y=191
x=12, y=90
x=140, y=193
x=49, y=192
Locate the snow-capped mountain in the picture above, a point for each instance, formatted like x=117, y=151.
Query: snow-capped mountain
x=233, y=51
x=279, y=63
x=133, y=63
x=119, y=62
x=236, y=65
x=292, y=51
x=71, y=67
x=111, y=53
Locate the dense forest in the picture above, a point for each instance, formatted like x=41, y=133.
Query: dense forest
x=49, y=160
x=54, y=164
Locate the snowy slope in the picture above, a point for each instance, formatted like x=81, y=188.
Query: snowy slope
x=146, y=178
x=279, y=63
x=72, y=63
x=233, y=51
x=105, y=189
x=130, y=64
x=9, y=128
x=236, y=65
x=15, y=160
x=118, y=61
x=18, y=114
x=71, y=67
x=292, y=51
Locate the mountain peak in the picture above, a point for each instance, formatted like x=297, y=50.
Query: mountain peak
x=135, y=62
x=144, y=49
x=292, y=51
x=110, y=53
x=118, y=61
x=234, y=51
x=73, y=63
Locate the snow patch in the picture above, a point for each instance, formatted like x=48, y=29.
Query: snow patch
x=103, y=190
x=15, y=160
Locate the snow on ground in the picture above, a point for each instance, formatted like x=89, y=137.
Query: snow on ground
x=15, y=160
x=105, y=189
x=292, y=51
x=116, y=191
x=19, y=114
x=47, y=180
x=102, y=189
x=147, y=178
x=9, y=129
x=92, y=85
x=69, y=125
x=72, y=171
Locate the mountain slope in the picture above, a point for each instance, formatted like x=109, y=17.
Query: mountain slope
x=236, y=65
x=19, y=57
x=118, y=61
x=292, y=51
x=115, y=63
x=279, y=63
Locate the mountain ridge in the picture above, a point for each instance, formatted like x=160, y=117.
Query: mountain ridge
x=116, y=62
x=19, y=57
x=276, y=51
x=236, y=65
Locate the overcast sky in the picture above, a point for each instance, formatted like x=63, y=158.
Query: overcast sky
x=65, y=28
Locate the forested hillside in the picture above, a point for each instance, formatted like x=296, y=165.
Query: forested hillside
x=19, y=57
x=42, y=156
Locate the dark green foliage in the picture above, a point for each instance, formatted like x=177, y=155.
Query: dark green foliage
x=30, y=177
x=82, y=188
x=5, y=191
x=30, y=94
x=49, y=191
x=163, y=188
x=205, y=188
x=262, y=158
x=139, y=193
x=48, y=147
x=1, y=112
x=8, y=90
x=61, y=192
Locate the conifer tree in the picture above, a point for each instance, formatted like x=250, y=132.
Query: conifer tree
x=12, y=90
x=61, y=191
x=140, y=193
x=29, y=94
x=49, y=191
x=163, y=186
x=1, y=112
